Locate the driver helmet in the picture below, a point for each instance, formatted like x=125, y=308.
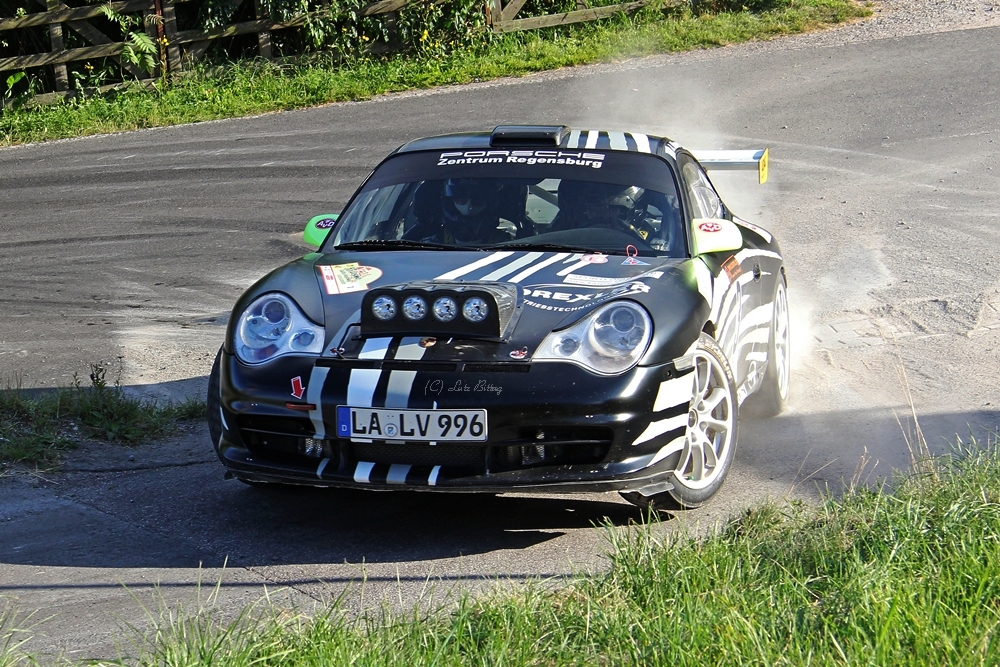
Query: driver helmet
x=597, y=203
x=466, y=198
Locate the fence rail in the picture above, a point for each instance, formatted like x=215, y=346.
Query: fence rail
x=183, y=47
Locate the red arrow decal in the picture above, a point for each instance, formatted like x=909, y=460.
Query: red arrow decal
x=298, y=389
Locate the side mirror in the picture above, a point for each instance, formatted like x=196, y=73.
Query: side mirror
x=715, y=235
x=318, y=227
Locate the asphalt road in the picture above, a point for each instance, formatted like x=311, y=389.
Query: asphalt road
x=130, y=249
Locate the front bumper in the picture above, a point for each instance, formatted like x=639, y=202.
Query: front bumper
x=552, y=427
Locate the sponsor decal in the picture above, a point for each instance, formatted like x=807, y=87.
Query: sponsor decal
x=326, y=223
x=428, y=342
x=584, y=300
x=710, y=227
x=633, y=255
x=732, y=268
x=595, y=259
x=573, y=158
x=298, y=389
x=600, y=281
x=347, y=278
x=519, y=354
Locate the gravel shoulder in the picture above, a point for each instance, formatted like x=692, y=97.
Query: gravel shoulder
x=867, y=177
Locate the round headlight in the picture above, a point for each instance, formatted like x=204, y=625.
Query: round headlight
x=414, y=308
x=618, y=331
x=475, y=309
x=445, y=309
x=384, y=308
x=273, y=325
x=266, y=323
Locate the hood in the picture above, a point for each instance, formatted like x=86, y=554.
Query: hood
x=553, y=290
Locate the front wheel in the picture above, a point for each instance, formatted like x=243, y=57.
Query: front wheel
x=709, y=439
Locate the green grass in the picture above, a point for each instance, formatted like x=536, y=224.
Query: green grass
x=38, y=428
x=903, y=577
x=257, y=87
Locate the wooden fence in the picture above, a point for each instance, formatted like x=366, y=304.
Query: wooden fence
x=181, y=48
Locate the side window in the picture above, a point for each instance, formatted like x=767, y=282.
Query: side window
x=705, y=203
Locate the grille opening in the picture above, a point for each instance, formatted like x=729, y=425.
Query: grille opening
x=276, y=425
x=556, y=446
x=310, y=448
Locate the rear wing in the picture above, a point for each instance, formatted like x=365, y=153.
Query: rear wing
x=751, y=159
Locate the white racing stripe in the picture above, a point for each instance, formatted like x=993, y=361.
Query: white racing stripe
x=660, y=427
x=574, y=139
x=363, y=381
x=397, y=473
x=753, y=252
x=538, y=267
x=592, y=136
x=363, y=472
x=361, y=387
x=398, y=392
x=641, y=142
x=321, y=467
x=375, y=348
x=478, y=264
x=570, y=269
x=432, y=479
x=512, y=267
x=675, y=445
x=674, y=392
x=314, y=395
x=618, y=141
x=758, y=316
x=401, y=382
x=703, y=276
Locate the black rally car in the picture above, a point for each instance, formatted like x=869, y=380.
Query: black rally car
x=529, y=308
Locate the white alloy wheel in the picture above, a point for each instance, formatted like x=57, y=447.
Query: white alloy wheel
x=711, y=428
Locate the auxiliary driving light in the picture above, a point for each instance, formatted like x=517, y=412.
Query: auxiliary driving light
x=445, y=309
x=475, y=309
x=384, y=308
x=414, y=308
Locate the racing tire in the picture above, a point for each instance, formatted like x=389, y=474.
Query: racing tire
x=709, y=439
x=214, y=400
x=772, y=396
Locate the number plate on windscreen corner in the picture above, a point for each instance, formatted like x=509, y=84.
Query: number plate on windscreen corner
x=420, y=425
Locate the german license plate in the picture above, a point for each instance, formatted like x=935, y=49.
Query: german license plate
x=419, y=425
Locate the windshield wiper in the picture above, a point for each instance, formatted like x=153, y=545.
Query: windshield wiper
x=389, y=244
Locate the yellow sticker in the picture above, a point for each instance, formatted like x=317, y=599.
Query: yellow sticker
x=762, y=167
x=347, y=278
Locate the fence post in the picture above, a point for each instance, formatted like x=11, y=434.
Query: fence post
x=170, y=31
x=263, y=10
x=495, y=10
x=56, y=39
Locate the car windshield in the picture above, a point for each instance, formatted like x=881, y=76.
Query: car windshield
x=614, y=203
